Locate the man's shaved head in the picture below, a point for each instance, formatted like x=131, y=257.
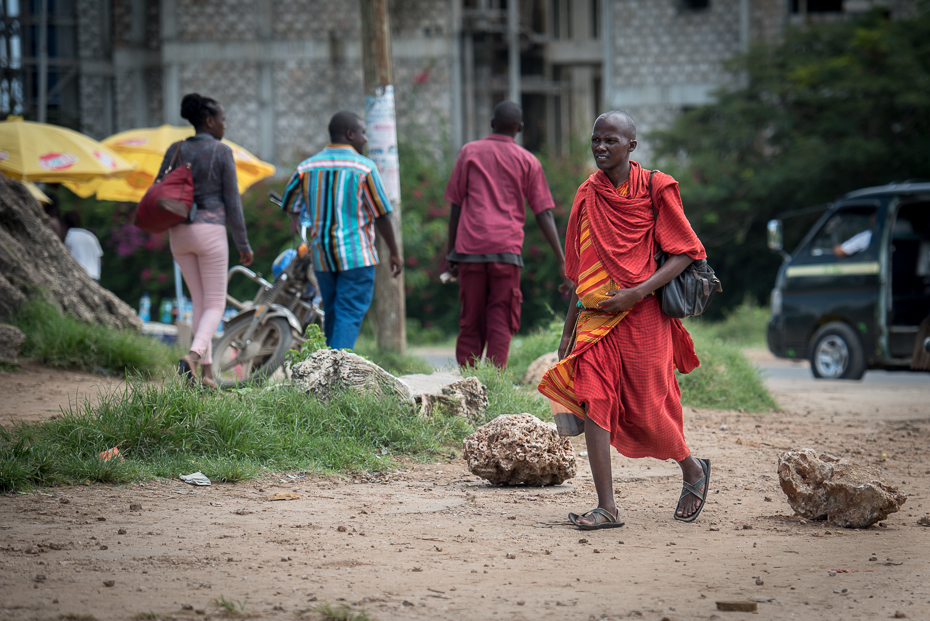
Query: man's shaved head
x=507, y=119
x=621, y=119
x=341, y=123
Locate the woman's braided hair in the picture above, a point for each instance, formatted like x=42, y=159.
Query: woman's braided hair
x=196, y=109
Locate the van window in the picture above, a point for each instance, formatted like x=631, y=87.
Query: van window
x=846, y=234
x=910, y=265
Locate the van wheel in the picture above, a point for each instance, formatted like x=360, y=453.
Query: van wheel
x=837, y=353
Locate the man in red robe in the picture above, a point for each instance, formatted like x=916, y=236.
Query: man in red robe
x=619, y=352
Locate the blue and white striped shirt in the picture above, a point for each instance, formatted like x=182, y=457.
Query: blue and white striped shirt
x=338, y=194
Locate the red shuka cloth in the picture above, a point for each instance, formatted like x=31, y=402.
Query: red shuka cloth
x=625, y=380
x=626, y=230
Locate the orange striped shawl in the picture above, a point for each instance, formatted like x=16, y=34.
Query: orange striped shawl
x=592, y=325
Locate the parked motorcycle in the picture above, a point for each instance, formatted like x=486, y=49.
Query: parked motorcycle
x=256, y=339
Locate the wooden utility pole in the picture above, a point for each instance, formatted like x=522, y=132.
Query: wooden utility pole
x=381, y=123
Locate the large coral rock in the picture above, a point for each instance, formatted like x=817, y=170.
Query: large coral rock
x=328, y=371
x=11, y=340
x=519, y=448
x=842, y=492
x=33, y=259
x=538, y=368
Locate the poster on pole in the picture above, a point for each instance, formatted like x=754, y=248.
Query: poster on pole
x=381, y=124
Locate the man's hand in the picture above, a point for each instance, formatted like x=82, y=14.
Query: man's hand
x=453, y=268
x=245, y=258
x=567, y=285
x=397, y=266
x=620, y=300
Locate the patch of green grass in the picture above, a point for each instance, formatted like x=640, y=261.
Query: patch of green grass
x=743, y=326
x=164, y=430
x=726, y=380
x=342, y=612
x=231, y=609
x=506, y=396
x=524, y=349
x=59, y=340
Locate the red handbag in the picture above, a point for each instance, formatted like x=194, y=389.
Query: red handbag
x=168, y=201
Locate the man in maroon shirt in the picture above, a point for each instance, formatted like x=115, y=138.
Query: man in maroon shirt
x=492, y=180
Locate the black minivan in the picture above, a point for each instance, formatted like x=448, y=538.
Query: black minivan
x=855, y=295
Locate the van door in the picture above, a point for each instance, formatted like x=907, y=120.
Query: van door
x=909, y=260
x=835, y=276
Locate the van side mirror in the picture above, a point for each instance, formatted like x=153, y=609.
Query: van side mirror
x=775, y=238
x=774, y=228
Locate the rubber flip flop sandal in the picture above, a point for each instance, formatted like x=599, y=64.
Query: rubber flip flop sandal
x=695, y=488
x=611, y=521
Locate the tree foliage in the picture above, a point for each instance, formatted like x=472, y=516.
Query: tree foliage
x=832, y=108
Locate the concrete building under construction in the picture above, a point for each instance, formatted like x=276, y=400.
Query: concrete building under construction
x=283, y=67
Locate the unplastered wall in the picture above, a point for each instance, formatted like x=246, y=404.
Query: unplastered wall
x=312, y=50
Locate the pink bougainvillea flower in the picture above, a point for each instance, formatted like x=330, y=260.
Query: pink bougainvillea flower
x=417, y=193
x=422, y=77
x=163, y=277
x=411, y=261
x=146, y=274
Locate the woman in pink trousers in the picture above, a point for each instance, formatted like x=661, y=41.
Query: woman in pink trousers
x=200, y=247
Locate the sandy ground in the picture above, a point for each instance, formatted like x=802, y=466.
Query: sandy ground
x=36, y=392
x=433, y=542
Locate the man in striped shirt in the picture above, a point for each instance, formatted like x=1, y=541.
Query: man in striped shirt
x=339, y=196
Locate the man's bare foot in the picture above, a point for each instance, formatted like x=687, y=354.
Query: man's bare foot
x=594, y=518
x=206, y=376
x=692, y=472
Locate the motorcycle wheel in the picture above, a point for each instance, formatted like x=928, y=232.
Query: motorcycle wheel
x=238, y=364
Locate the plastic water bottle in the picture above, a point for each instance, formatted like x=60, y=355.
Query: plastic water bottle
x=166, y=310
x=187, y=313
x=145, y=308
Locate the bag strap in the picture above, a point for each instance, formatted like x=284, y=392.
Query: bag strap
x=174, y=160
x=655, y=212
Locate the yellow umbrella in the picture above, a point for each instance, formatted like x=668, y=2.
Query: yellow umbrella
x=41, y=152
x=37, y=194
x=146, y=149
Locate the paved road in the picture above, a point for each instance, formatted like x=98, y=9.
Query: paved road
x=879, y=395
x=802, y=372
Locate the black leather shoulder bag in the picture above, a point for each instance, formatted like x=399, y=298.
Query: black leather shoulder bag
x=689, y=293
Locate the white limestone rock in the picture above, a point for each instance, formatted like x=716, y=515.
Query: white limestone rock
x=840, y=491
x=519, y=449
x=329, y=371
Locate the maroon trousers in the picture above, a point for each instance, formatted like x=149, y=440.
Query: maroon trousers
x=490, y=297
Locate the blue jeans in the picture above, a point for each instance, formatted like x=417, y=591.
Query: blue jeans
x=346, y=298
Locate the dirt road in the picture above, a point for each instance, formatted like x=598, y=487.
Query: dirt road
x=433, y=542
